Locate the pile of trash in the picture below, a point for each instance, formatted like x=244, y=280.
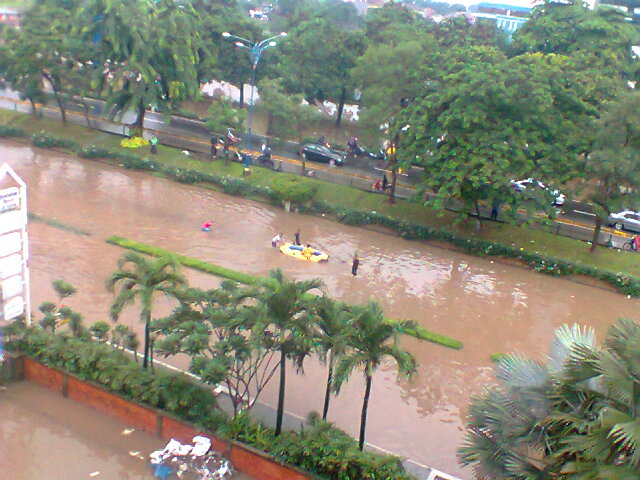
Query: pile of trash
x=191, y=462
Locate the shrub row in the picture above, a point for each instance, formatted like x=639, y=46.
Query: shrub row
x=116, y=371
x=9, y=131
x=625, y=284
x=419, y=332
x=321, y=449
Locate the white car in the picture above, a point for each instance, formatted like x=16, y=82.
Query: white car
x=625, y=220
x=531, y=185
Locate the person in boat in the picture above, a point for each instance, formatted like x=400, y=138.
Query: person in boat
x=307, y=252
x=206, y=226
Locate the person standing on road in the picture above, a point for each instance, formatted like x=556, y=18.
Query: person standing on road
x=355, y=264
x=296, y=237
x=153, y=143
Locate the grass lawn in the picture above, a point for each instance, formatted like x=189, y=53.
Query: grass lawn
x=529, y=239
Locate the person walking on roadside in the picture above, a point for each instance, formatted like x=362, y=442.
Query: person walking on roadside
x=296, y=237
x=153, y=143
x=355, y=264
x=495, y=208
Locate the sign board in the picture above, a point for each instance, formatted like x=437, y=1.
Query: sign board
x=11, y=265
x=12, y=287
x=14, y=247
x=9, y=199
x=10, y=221
x=12, y=308
x=11, y=243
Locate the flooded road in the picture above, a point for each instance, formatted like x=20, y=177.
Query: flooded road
x=45, y=436
x=491, y=307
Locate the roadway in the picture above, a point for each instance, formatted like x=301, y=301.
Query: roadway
x=575, y=220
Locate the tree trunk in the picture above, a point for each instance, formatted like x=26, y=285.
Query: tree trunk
x=327, y=393
x=151, y=342
x=280, y=410
x=56, y=93
x=596, y=234
x=33, y=106
x=343, y=97
x=477, y=205
x=145, y=358
x=140, y=120
x=363, y=417
x=241, y=94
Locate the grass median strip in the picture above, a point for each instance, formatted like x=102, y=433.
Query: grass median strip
x=34, y=217
x=419, y=333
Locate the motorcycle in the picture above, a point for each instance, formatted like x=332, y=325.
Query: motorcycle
x=355, y=150
x=381, y=186
x=264, y=159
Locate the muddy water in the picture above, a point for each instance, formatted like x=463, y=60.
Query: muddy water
x=489, y=306
x=44, y=436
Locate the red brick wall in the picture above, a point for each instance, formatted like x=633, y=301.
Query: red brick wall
x=254, y=463
x=137, y=416
x=38, y=373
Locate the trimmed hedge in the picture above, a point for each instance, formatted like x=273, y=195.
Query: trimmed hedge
x=626, y=284
x=116, y=371
x=47, y=140
x=419, y=333
x=9, y=131
x=184, y=260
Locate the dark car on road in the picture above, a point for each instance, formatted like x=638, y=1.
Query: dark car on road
x=320, y=153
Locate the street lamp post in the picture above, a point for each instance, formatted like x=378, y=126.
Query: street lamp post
x=255, y=51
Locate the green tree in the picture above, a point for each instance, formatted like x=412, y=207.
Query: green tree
x=612, y=168
x=139, y=278
x=492, y=119
x=215, y=330
x=43, y=49
x=148, y=50
x=315, y=58
x=283, y=314
x=222, y=115
x=599, y=40
x=392, y=24
x=573, y=418
x=386, y=75
x=288, y=116
x=334, y=330
x=374, y=340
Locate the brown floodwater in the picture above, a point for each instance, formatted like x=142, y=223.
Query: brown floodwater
x=491, y=307
x=44, y=436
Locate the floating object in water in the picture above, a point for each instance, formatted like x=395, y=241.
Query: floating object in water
x=295, y=251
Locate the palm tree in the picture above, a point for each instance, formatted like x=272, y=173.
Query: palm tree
x=574, y=417
x=140, y=278
x=284, y=306
x=374, y=339
x=334, y=323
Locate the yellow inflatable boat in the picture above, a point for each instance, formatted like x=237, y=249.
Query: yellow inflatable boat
x=295, y=251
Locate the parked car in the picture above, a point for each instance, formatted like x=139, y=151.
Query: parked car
x=531, y=185
x=625, y=220
x=320, y=153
